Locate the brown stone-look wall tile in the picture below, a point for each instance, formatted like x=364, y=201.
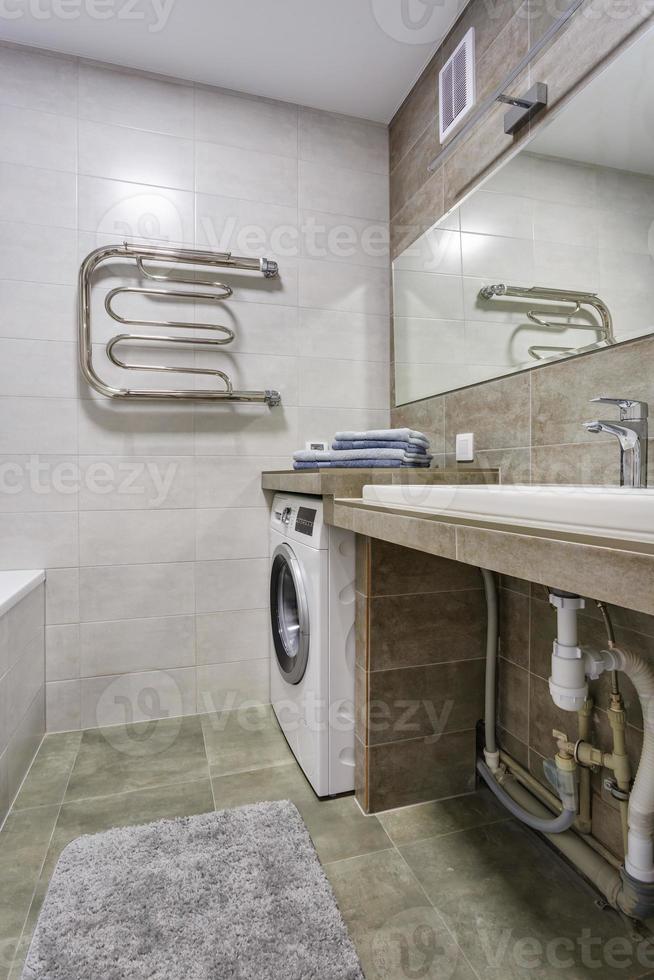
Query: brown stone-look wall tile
x=497, y=413
x=517, y=749
x=413, y=702
x=482, y=150
x=607, y=825
x=426, y=416
x=405, y=571
x=507, y=48
x=402, y=773
x=418, y=111
x=514, y=465
x=561, y=393
x=542, y=633
x=361, y=705
x=419, y=213
x=412, y=172
x=362, y=563
x=361, y=631
x=513, y=699
x=514, y=627
x=585, y=463
x=488, y=20
x=592, y=35
x=361, y=774
x=433, y=628
x=520, y=585
x=628, y=619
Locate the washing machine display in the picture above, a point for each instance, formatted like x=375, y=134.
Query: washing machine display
x=289, y=613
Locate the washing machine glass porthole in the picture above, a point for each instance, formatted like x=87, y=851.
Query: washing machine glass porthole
x=289, y=614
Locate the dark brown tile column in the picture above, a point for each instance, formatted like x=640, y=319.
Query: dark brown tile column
x=420, y=675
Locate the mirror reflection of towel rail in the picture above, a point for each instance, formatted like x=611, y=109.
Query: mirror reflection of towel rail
x=221, y=291
x=540, y=352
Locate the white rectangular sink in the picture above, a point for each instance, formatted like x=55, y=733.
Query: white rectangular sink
x=607, y=512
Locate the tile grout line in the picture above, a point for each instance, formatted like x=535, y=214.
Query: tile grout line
x=46, y=849
x=436, y=910
x=206, y=756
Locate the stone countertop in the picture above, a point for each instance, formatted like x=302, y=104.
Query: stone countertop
x=619, y=572
x=349, y=482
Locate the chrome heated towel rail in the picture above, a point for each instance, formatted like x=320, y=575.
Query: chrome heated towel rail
x=540, y=352
x=212, y=291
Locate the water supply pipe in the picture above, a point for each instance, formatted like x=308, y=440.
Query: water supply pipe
x=631, y=888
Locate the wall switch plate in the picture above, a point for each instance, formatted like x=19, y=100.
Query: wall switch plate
x=317, y=445
x=465, y=447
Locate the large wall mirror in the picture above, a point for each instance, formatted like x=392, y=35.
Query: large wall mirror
x=572, y=213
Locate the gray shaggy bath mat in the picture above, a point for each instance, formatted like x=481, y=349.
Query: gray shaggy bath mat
x=239, y=893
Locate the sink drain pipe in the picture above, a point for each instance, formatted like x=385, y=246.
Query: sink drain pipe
x=631, y=888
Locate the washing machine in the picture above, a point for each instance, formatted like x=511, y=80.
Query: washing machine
x=312, y=602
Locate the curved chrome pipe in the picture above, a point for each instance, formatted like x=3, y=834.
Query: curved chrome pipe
x=579, y=299
x=175, y=256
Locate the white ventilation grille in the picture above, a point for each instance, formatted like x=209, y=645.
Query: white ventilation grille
x=456, y=85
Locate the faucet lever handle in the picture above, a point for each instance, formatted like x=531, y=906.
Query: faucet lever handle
x=629, y=407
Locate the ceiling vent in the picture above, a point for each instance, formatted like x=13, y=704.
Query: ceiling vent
x=456, y=85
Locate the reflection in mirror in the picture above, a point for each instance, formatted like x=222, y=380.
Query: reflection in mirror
x=572, y=214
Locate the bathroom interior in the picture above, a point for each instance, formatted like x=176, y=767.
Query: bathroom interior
x=326, y=543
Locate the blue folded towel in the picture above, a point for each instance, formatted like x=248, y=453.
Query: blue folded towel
x=328, y=455
x=409, y=447
x=360, y=464
x=384, y=435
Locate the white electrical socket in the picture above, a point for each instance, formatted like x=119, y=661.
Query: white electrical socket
x=465, y=447
x=317, y=445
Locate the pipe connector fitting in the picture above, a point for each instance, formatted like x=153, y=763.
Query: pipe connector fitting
x=571, y=668
x=635, y=898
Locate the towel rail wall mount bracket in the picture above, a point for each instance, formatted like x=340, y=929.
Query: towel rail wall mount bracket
x=213, y=291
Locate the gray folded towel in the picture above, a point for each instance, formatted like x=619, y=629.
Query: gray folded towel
x=332, y=455
x=361, y=464
x=385, y=435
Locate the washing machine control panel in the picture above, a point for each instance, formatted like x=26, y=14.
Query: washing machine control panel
x=305, y=520
x=300, y=518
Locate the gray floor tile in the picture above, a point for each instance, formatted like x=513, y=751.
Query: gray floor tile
x=414, y=823
x=244, y=740
x=516, y=909
x=275, y=783
x=48, y=776
x=24, y=843
x=397, y=933
x=340, y=830
x=134, y=757
x=8, y=949
x=92, y=816
x=16, y=970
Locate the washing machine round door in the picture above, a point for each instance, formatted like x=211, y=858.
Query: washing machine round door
x=289, y=614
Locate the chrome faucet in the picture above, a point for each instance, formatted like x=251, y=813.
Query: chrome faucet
x=631, y=433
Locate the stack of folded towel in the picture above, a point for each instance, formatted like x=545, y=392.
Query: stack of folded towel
x=374, y=448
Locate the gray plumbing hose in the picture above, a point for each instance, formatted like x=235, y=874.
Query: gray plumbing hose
x=556, y=825
x=490, y=589
x=565, y=819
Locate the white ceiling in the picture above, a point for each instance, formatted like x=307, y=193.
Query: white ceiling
x=611, y=122
x=359, y=57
